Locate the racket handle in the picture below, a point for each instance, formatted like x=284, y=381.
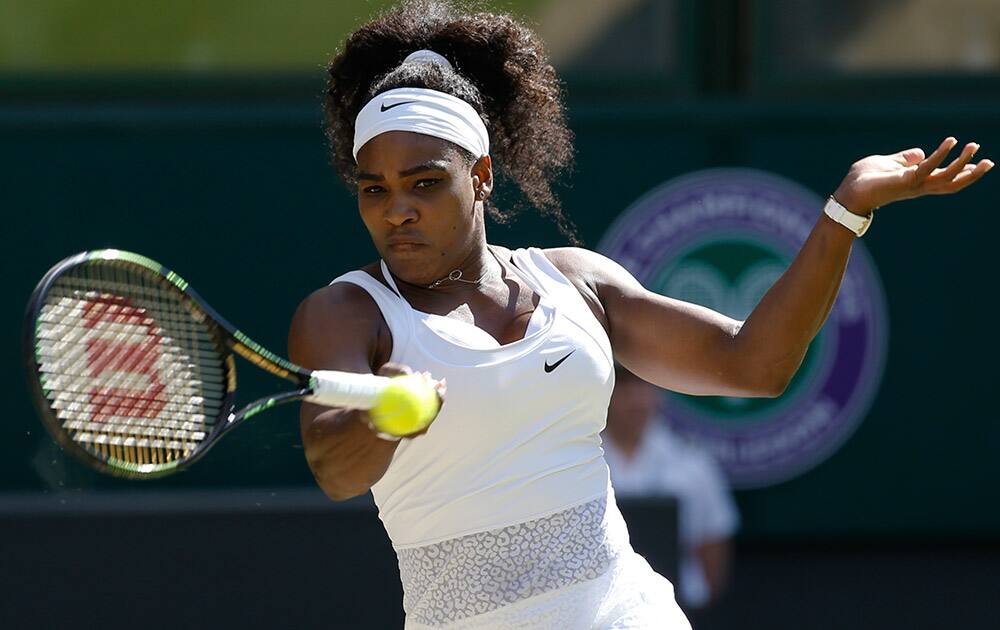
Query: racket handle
x=346, y=389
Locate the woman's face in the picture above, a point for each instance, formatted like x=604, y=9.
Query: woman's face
x=418, y=198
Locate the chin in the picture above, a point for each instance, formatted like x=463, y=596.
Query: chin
x=410, y=264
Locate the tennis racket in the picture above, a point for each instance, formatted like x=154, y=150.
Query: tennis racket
x=133, y=372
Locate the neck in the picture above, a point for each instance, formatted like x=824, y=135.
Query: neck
x=477, y=267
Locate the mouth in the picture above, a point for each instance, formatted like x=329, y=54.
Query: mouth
x=404, y=243
x=405, y=246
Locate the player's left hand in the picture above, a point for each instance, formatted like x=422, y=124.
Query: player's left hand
x=879, y=180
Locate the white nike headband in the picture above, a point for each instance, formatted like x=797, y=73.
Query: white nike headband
x=423, y=111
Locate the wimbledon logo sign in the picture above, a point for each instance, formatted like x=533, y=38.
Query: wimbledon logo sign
x=720, y=238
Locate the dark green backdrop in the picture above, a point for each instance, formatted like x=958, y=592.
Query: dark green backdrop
x=236, y=194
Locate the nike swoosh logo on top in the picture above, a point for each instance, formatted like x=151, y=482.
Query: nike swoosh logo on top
x=385, y=108
x=549, y=368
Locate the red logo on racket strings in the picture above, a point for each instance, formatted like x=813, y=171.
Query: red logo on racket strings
x=136, y=355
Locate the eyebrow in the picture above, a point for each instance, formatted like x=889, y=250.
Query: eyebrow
x=432, y=165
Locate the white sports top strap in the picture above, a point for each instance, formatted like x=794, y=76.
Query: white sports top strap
x=547, y=280
x=543, y=276
x=395, y=310
x=388, y=277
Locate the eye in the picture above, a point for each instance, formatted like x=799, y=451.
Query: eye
x=426, y=183
x=371, y=190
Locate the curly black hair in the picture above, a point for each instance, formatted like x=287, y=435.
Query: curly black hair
x=500, y=69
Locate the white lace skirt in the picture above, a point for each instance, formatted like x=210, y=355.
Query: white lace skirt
x=571, y=570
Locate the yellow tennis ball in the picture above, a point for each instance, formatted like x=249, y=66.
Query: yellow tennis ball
x=407, y=405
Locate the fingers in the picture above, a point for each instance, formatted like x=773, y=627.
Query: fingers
x=909, y=157
x=956, y=167
x=441, y=387
x=961, y=173
x=398, y=369
x=926, y=167
x=969, y=175
x=394, y=369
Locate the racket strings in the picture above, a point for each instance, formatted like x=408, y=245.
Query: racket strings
x=131, y=370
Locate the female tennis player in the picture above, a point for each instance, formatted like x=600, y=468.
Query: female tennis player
x=501, y=512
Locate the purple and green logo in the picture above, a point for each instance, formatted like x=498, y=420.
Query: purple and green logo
x=720, y=238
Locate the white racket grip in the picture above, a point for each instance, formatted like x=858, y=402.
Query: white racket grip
x=346, y=389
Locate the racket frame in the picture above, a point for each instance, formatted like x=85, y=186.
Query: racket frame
x=229, y=339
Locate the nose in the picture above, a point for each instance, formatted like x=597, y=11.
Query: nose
x=400, y=212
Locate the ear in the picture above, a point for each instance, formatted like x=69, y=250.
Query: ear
x=482, y=178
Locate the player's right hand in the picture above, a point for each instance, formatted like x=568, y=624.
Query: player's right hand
x=441, y=387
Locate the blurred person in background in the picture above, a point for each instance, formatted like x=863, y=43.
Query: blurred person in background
x=647, y=459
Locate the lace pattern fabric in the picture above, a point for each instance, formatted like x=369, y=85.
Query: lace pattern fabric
x=478, y=573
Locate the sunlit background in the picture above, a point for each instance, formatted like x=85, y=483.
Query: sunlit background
x=191, y=132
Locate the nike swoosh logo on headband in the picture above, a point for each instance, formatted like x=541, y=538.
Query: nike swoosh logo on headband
x=386, y=108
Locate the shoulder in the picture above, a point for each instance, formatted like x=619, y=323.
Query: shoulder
x=332, y=301
x=581, y=266
x=586, y=267
x=598, y=278
x=338, y=299
x=339, y=316
x=586, y=270
x=573, y=259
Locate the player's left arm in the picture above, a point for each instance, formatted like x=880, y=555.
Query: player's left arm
x=694, y=350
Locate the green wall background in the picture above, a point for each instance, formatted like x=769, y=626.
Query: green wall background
x=237, y=195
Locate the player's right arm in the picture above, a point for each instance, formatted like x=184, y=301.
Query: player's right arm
x=339, y=327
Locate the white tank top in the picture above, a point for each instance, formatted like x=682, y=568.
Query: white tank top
x=518, y=437
x=502, y=514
